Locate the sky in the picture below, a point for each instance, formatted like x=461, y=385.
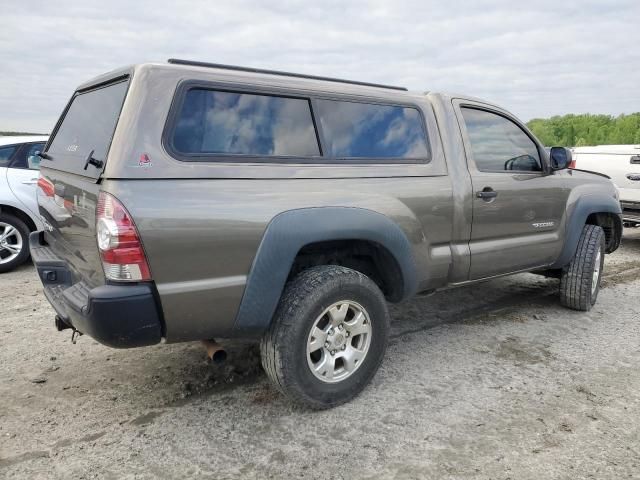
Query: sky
x=534, y=58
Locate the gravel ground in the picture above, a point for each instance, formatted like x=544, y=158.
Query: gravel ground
x=492, y=381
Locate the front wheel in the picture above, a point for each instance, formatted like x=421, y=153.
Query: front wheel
x=328, y=336
x=14, y=242
x=580, y=280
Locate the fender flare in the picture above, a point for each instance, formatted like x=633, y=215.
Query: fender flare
x=585, y=206
x=291, y=230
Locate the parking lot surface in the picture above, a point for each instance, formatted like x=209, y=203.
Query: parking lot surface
x=494, y=380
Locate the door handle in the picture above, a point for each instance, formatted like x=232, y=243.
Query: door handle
x=634, y=177
x=635, y=160
x=487, y=194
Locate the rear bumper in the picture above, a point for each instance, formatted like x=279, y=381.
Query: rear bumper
x=120, y=316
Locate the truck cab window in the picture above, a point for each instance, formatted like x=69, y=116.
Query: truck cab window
x=498, y=144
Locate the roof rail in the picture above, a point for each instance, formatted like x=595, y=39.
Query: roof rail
x=178, y=61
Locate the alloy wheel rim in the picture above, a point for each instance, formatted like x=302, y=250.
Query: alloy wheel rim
x=596, y=272
x=11, y=242
x=339, y=341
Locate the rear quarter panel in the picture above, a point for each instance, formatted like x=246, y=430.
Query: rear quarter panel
x=201, y=236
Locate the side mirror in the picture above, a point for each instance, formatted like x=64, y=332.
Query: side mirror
x=560, y=158
x=34, y=161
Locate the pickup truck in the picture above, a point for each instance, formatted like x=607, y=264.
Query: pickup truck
x=210, y=201
x=621, y=163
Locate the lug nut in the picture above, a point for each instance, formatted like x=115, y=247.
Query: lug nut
x=343, y=347
x=341, y=327
x=331, y=331
x=347, y=334
x=333, y=352
x=327, y=344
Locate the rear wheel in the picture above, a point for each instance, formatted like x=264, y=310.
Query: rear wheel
x=580, y=280
x=14, y=242
x=328, y=336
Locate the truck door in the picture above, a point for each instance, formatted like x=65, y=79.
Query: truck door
x=518, y=209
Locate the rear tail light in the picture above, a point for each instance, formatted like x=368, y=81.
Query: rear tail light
x=46, y=186
x=123, y=257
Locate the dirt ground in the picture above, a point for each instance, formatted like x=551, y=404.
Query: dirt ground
x=492, y=381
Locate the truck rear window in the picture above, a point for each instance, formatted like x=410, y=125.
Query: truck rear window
x=88, y=125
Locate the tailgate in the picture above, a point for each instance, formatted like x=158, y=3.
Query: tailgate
x=70, y=172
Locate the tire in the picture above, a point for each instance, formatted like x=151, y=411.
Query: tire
x=20, y=233
x=580, y=280
x=318, y=295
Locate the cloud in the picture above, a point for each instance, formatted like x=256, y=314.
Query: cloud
x=537, y=59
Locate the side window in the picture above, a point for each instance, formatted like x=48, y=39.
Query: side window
x=217, y=122
x=5, y=154
x=22, y=158
x=498, y=144
x=353, y=130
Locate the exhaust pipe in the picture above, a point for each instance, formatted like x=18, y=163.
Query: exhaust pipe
x=215, y=351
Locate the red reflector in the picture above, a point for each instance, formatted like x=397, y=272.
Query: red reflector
x=123, y=257
x=572, y=164
x=46, y=186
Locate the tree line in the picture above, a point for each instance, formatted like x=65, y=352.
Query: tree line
x=587, y=129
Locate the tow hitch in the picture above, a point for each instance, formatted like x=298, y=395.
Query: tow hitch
x=61, y=325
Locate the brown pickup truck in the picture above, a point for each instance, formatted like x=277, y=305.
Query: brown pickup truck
x=188, y=201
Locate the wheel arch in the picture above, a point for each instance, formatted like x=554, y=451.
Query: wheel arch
x=612, y=225
x=600, y=210
x=19, y=213
x=365, y=256
x=300, y=231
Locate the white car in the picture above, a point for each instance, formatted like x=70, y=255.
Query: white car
x=18, y=205
x=622, y=164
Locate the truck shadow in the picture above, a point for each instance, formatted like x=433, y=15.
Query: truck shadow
x=501, y=299
x=631, y=241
